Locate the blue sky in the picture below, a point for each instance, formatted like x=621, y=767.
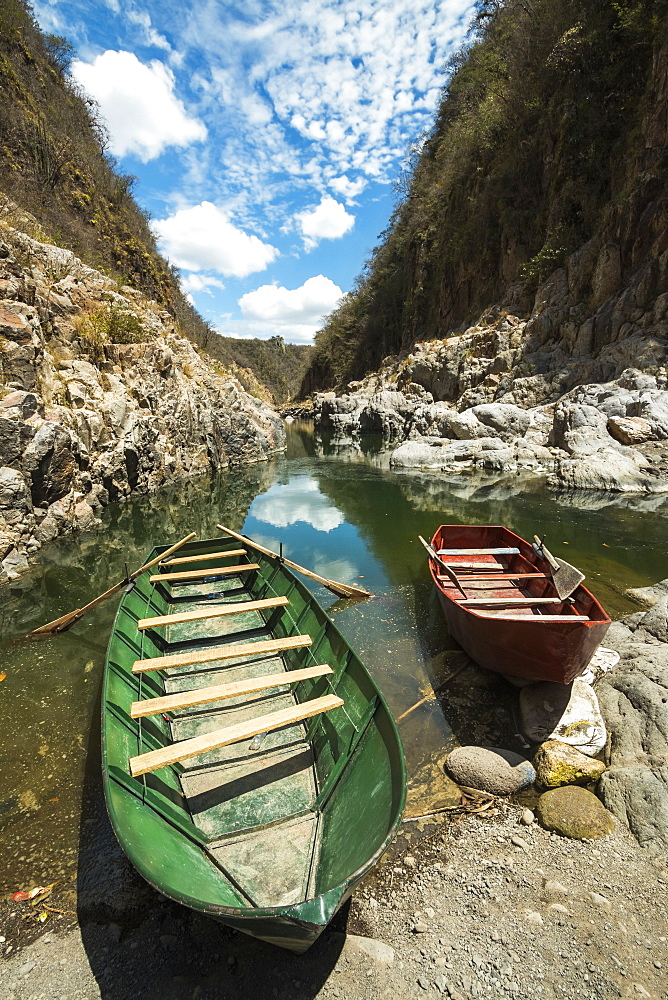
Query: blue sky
x=266, y=136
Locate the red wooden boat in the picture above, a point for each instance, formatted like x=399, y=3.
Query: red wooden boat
x=501, y=605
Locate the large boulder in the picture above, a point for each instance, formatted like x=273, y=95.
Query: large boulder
x=566, y=712
x=630, y=430
x=578, y=427
x=574, y=812
x=648, y=596
x=634, y=701
x=15, y=500
x=489, y=769
x=506, y=420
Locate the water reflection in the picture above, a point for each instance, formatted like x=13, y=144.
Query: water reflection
x=299, y=499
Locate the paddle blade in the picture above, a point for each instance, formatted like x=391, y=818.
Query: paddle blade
x=566, y=579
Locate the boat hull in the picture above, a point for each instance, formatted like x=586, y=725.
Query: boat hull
x=236, y=858
x=530, y=648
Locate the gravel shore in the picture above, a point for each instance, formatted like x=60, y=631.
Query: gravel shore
x=483, y=906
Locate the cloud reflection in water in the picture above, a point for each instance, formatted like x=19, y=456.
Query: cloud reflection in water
x=299, y=500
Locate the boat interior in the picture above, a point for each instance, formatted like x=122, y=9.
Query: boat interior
x=493, y=573
x=250, y=725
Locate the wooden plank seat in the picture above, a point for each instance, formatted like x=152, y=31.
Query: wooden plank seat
x=471, y=601
x=176, y=752
x=499, y=576
x=220, y=692
x=477, y=565
x=237, y=608
x=220, y=653
x=210, y=555
x=479, y=552
x=538, y=618
x=200, y=574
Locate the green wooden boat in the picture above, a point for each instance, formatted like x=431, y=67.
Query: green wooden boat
x=252, y=769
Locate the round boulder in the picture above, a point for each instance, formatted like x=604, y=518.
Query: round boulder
x=499, y=772
x=559, y=764
x=574, y=812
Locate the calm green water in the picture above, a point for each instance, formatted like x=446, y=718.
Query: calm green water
x=336, y=509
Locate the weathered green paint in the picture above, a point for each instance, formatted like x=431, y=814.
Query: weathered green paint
x=270, y=839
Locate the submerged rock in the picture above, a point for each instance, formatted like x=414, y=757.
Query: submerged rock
x=568, y=713
x=559, y=764
x=499, y=772
x=574, y=812
x=430, y=789
x=648, y=596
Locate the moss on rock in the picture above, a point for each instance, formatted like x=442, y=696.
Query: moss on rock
x=574, y=812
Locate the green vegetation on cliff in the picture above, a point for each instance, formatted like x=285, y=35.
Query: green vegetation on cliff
x=536, y=131
x=279, y=366
x=53, y=165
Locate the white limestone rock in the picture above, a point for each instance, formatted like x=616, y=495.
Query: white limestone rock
x=566, y=712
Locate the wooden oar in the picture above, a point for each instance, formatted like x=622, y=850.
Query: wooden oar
x=340, y=589
x=432, y=694
x=565, y=577
x=66, y=622
x=449, y=572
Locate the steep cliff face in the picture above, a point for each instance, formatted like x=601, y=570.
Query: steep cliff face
x=564, y=372
x=542, y=191
x=100, y=398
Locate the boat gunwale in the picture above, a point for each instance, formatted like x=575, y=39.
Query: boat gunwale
x=520, y=621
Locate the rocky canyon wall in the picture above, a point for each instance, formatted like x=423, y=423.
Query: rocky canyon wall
x=86, y=419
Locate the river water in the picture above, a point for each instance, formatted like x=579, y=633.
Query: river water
x=337, y=509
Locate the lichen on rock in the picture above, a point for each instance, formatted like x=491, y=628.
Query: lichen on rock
x=559, y=764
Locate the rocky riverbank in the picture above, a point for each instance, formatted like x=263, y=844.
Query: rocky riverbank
x=495, y=399
x=101, y=398
x=618, y=710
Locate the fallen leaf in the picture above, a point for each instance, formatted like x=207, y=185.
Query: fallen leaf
x=20, y=896
x=2, y=677
x=40, y=890
x=43, y=916
x=54, y=800
x=605, y=545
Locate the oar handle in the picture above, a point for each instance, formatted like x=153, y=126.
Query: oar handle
x=449, y=572
x=548, y=555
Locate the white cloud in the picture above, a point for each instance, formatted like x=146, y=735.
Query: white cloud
x=151, y=36
x=202, y=238
x=323, y=94
x=327, y=221
x=137, y=100
x=347, y=188
x=200, y=283
x=294, y=313
x=307, y=304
